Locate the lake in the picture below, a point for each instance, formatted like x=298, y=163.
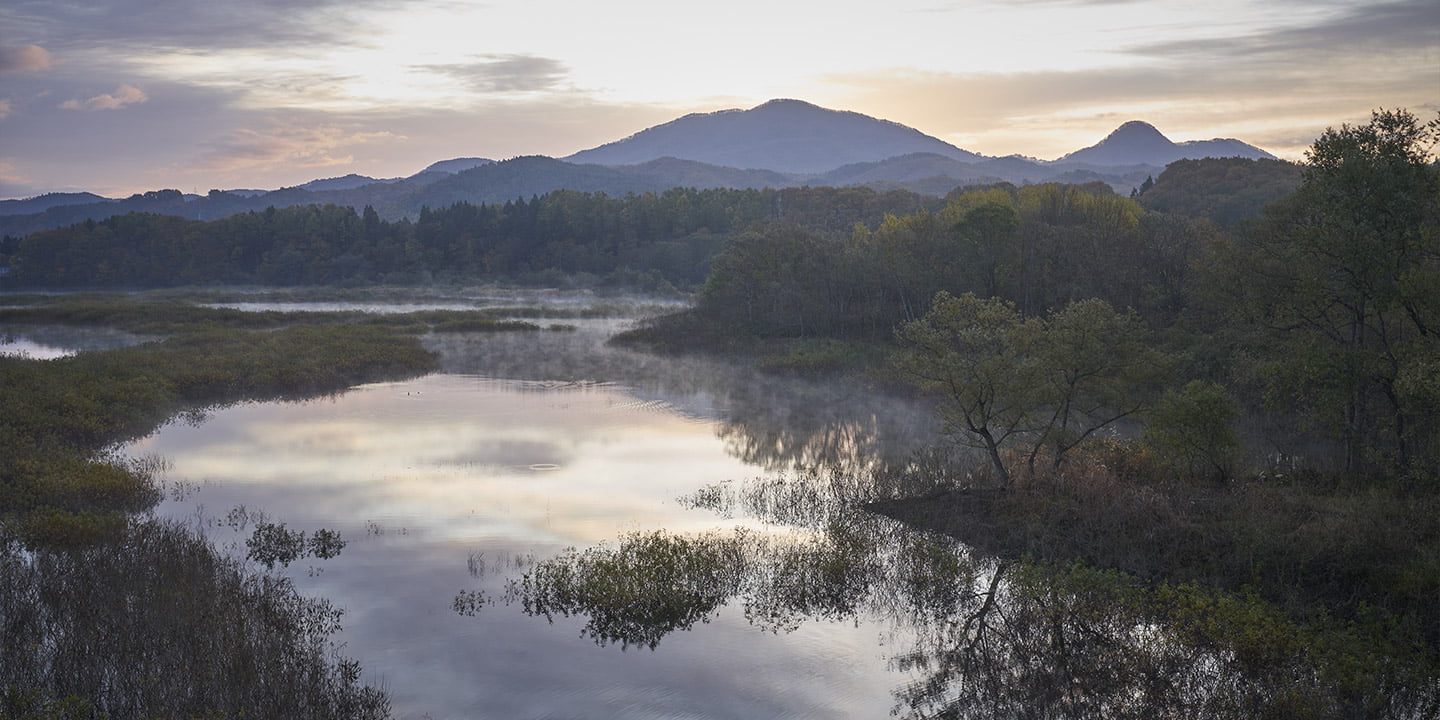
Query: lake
x=458, y=484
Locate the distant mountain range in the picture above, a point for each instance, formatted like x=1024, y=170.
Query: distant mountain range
x=778, y=144
x=44, y=202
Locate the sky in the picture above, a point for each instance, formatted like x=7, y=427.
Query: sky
x=122, y=96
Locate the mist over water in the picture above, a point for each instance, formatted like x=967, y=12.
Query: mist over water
x=44, y=342
x=526, y=444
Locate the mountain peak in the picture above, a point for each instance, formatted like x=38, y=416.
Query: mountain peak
x=783, y=135
x=1137, y=129
x=1139, y=143
x=786, y=104
x=456, y=165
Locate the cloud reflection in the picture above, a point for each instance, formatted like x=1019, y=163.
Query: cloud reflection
x=420, y=475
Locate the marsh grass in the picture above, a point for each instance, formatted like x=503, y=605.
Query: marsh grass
x=154, y=622
x=106, y=614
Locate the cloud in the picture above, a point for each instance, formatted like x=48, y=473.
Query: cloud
x=505, y=73
x=82, y=24
x=1392, y=28
x=970, y=6
x=14, y=183
x=9, y=173
x=1049, y=113
x=5, y=109
x=1276, y=86
x=286, y=146
x=124, y=95
x=28, y=58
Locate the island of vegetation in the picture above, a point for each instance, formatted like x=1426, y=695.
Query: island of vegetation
x=1222, y=419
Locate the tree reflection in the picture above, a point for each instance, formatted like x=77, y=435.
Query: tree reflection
x=640, y=591
x=987, y=639
x=773, y=422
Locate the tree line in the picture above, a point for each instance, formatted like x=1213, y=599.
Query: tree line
x=1318, y=321
x=667, y=237
x=1038, y=246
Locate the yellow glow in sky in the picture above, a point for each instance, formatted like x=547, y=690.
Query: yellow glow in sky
x=397, y=85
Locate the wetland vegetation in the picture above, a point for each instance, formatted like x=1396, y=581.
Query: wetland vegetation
x=111, y=614
x=1194, y=468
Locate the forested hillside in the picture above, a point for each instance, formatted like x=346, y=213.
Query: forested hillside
x=1039, y=246
x=1226, y=190
x=1318, y=319
x=669, y=236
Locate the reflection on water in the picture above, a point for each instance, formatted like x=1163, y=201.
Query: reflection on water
x=558, y=528
x=45, y=342
x=448, y=488
x=965, y=636
x=428, y=479
x=775, y=423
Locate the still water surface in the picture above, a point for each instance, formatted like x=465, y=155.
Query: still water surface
x=47, y=342
x=521, y=447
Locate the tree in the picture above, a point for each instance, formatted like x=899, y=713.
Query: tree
x=1338, y=287
x=966, y=348
x=778, y=280
x=1193, y=428
x=1095, y=368
x=1225, y=190
x=992, y=232
x=1055, y=381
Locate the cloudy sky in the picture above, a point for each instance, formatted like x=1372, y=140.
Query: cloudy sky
x=121, y=96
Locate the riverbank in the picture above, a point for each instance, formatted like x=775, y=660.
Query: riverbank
x=110, y=613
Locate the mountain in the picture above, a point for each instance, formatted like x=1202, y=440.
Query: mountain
x=782, y=143
x=45, y=202
x=524, y=177
x=455, y=165
x=906, y=168
x=789, y=136
x=1139, y=143
x=348, y=182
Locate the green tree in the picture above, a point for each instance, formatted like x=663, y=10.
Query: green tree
x=1096, y=367
x=1338, y=288
x=778, y=280
x=992, y=234
x=1053, y=381
x=968, y=349
x=1193, y=429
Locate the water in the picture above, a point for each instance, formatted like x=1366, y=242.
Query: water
x=379, y=308
x=553, y=528
x=547, y=299
x=46, y=342
x=523, y=446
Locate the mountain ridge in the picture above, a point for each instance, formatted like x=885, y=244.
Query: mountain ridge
x=821, y=141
